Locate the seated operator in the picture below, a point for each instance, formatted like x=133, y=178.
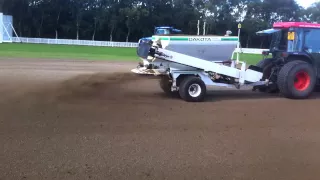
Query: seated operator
x=228, y=33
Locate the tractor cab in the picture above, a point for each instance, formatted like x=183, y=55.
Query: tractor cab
x=166, y=30
x=294, y=68
x=290, y=39
x=162, y=30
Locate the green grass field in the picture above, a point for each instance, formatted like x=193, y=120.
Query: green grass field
x=66, y=52
x=17, y=50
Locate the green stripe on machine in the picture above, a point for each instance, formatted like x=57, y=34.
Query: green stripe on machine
x=194, y=38
x=161, y=38
x=179, y=39
x=229, y=39
x=172, y=38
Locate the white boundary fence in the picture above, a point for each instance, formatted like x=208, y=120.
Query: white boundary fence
x=251, y=50
x=101, y=43
x=73, y=42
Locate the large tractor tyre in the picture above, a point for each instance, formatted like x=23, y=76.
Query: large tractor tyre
x=192, y=89
x=266, y=65
x=296, y=80
x=165, y=85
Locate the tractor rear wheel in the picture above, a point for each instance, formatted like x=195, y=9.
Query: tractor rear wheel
x=297, y=80
x=192, y=89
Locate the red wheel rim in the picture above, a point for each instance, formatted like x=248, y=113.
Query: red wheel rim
x=302, y=81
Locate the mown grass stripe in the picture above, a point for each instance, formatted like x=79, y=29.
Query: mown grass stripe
x=17, y=50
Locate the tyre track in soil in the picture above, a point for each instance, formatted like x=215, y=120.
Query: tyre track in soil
x=74, y=122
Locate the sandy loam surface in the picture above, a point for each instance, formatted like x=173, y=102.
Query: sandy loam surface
x=64, y=119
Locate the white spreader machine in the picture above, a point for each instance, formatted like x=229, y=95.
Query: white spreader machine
x=184, y=69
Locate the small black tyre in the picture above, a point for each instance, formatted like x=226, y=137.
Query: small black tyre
x=165, y=85
x=296, y=80
x=192, y=89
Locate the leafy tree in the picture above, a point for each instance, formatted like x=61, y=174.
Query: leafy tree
x=129, y=20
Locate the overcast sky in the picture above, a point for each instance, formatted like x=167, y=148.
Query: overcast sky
x=306, y=3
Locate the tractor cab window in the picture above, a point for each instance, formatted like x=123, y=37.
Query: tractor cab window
x=288, y=40
x=312, y=40
x=279, y=40
x=283, y=44
x=163, y=31
x=295, y=40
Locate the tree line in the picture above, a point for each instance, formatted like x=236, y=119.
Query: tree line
x=129, y=20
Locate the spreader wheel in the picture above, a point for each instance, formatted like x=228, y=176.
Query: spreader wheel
x=192, y=89
x=296, y=80
x=165, y=85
